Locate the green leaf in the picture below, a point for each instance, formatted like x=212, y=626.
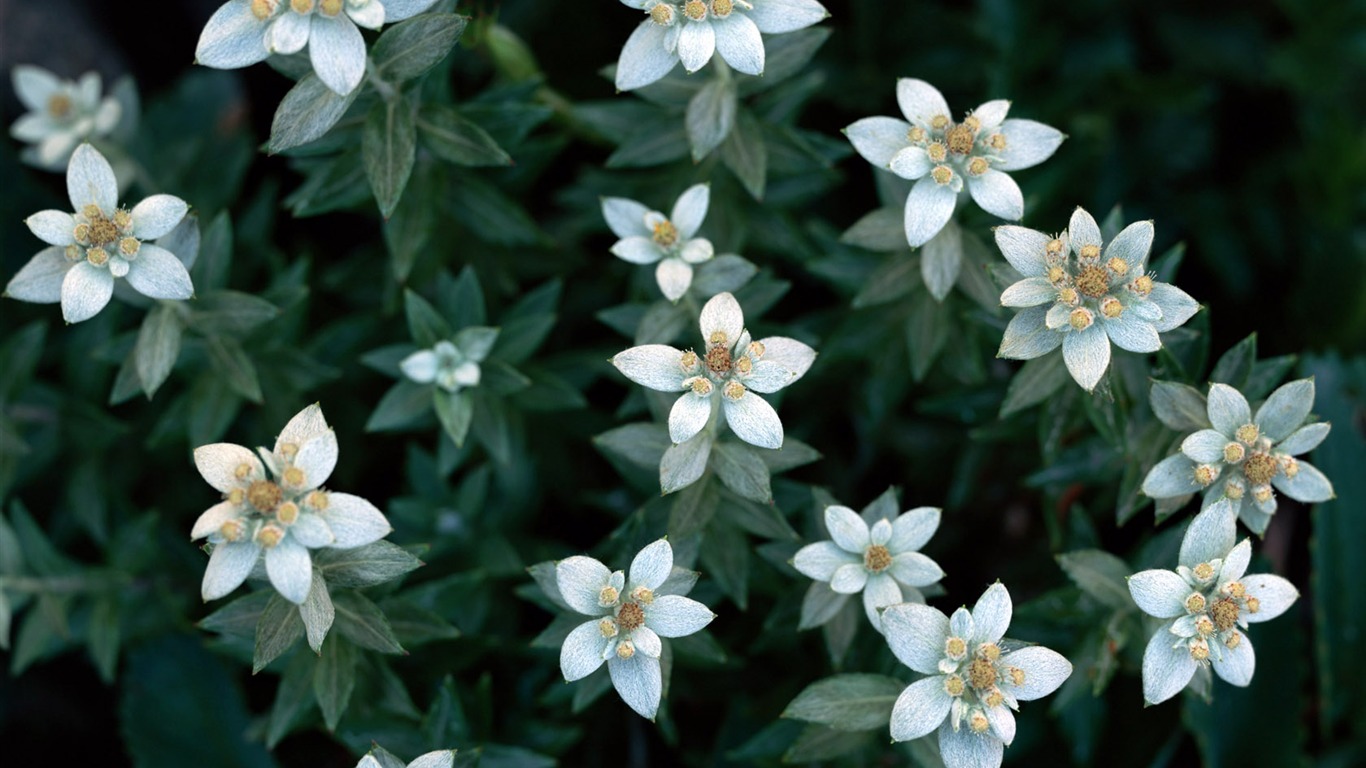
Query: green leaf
x=893, y=279
x=364, y=566
x=941, y=259
x=401, y=406
x=389, y=148
x=1034, y=383
x=103, y=637
x=292, y=698
x=883, y=230
x=692, y=509
x=307, y=112
x=239, y=617
x=710, y=116
x=847, y=702
x=1179, y=406
x=178, y=700
x=742, y=470
x=746, y=155
x=455, y=411
x=1236, y=364
x=426, y=325
x=651, y=144
x=410, y=48
x=643, y=445
x=20, y=353
x=414, y=625
x=236, y=369
x=725, y=556
x=723, y=274
x=1100, y=575
x=818, y=743
x=362, y=622
x=230, y=313
x=279, y=627
x=334, y=678
x=926, y=331
x=451, y=137
x=385, y=758
x=158, y=346
x=682, y=464
x=317, y=612
x=786, y=55
x=820, y=604
x=409, y=229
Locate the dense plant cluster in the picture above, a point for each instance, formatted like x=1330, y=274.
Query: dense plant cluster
x=598, y=369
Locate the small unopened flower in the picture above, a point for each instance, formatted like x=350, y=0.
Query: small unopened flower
x=692, y=30
x=882, y=562
x=648, y=237
x=725, y=375
x=629, y=616
x=1081, y=298
x=943, y=156
x=1245, y=456
x=452, y=365
x=276, y=505
x=1209, y=600
x=243, y=32
x=99, y=242
x=62, y=114
x=972, y=684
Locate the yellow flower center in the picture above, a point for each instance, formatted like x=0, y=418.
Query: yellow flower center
x=1225, y=614
x=630, y=617
x=695, y=10
x=665, y=234
x=877, y=558
x=1259, y=468
x=662, y=14
x=1247, y=434
x=59, y=105
x=942, y=174
x=718, y=359
x=960, y=139
x=264, y=495
x=1093, y=281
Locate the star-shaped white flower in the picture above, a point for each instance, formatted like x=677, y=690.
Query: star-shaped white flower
x=243, y=32
x=693, y=30
x=1209, y=600
x=630, y=616
x=882, y=562
x=729, y=371
x=61, y=115
x=648, y=237
x=1075, y=296
x=940, y=155
x=284, y=513
x=452, y=365
x=101, y=242
x=972, y=683
x=1244, y=456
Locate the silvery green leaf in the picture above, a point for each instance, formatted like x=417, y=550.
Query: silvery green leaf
x=401, y=406
x=640, y=444
x=364, y=566
x=279, y=627
x=455, y=411
x=317, y=611
x=426, y=325
x=684, y=463
x=894, y=278
x=414, y=625
x=239, y=618
x=941, y=259
x=230, y=313
x=742, y=470
x=880, y=230
x=1236, y=364
x=784, y=56
x=334, y=678
x=292, y=697
x=308, y=111
x=856, y=702
x=1179, y=406
x=231, y=362
x=794, y=454
x=158, y=346
x=662, y=323
x=820, y=605
x=1100, y=575
x=453, y=138
x=362, y=622
x=927, y=330
x=544, y=575
x=407, y=50
x=692, y=509
x=725, y=273
x=383, y=758
x=746, y=155
x=710, y=117
x=6, y=618
x=389, y=148
x=1034, y=383
x=652, y=144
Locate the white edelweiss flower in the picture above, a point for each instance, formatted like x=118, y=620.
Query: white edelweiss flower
x=62, y=114
x=276, y=504
x=882, y=562
x=1081, y=299
x=972, y=684
x=1245, y=456
x=444, y=758
x=940, y=156
x=101, y=242
x=630, y=616
x=692, y=30
x=729, y=368
x=1209, y=600
x=452, y=365
x=243, y=32
x=648, y=237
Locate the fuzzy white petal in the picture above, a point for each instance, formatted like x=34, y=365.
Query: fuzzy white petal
x=879, y=139
x=1228, y=409
x=676, y=616
x=1024, y=248
x=354, y=521
x=337, y=51
x=775, y=17
x=86, y=289
x=90, y=180
x=928, y=209
x=920, y=709
x=213, y=518
x=1236, y=665
x=656, y=366
x=233, y=37
x=626, y=218
x=652, y=565
x=158, y=274
x=1159, y=593
x=582, y=652
x=52, y=227
x=920, y=102
x=916, y=635
x=637, y=249
x=1087, y=355
x=1028, y=143
x=40, y=280
x=638, y=682
x=581, y=580
x=997, y=194
x=696, y=44
x=820, y=560
x=229, y=566
x=645, y=58
x=690, y=210
x=1284, y=410
x=673, y=276
x=1044, y=670
x=1028, y=335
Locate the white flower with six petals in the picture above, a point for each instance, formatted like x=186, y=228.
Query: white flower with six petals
x=730, y=370
x=648, y=237
x=61, y=115
x=283, y=514
x=101, y=242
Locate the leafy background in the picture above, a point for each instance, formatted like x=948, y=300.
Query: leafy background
x=1236, y=127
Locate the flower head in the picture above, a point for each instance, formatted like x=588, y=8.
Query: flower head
x=942, y=156
x=276, y=505
x=692, y=30
x=1244, y=456
x=243, y=32
x=630, y=615
x=973, y=683
x=648, y=237
x=729, y=370
x=62, y=114
x=1081, y=298
x=100, y=242
x=452, y=365
x=1209, y=600
x=444, y=758
x=881, y=561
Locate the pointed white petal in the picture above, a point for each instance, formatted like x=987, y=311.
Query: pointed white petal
x=879, y=139
x=370, y=15
x=916, y=634
x=652, y=565
x=233, y=38
x=1284, y=411
x=1228, y=409
x=52, y=227
x=908, y=162
x=354, y=521
x=637, y=249
x=1028, y=143
x=913, y=528
x=1131, y=332
x=1160, y=593
x=312, y=531
x=847, y=529
x=398, y=10
x=1235, y=665
x=928, y=209
x=991, y=614
x=1205, y=446
x=1028, y=335
x=1309, y=485
x=1274, y=596
x=34, y=86
x=915, y=570
x=581, y=580
x=40, y=280
x=820, y=560
x=86, y=289
x=645, y=58
x=1304, y=439
x=696, y=44
x=656, y=366
x=158, y=274
x=229, y=566
x=849, y=579
x=289, y=33
x=157, y=215
x=90, y=181
x=920, y=709
x=219, y=464
x=444, y=758
x=965, y=749
x=880, y=592
x=420, y=366
x=920, y=102
x=1173, y=476
x=739, y=43
x=997, y=194
x=1024, y=248
x=775, y=17
x=1177, y=306
x=690, y=210
x=626, y=218
x=337, y=50
x=1087, y=355
x=290, y=569
x=1083, y=230
x=791, y=354
x=1044, y=670
x=638, y=682
x=213, y=518
x=722, y=314
x=582, y=652
x=1166, y=670
x=316, y=459
x=1029, y=292
x=1132, y=243
x=673, y=276
x=1210, y=536
x=676, y=616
